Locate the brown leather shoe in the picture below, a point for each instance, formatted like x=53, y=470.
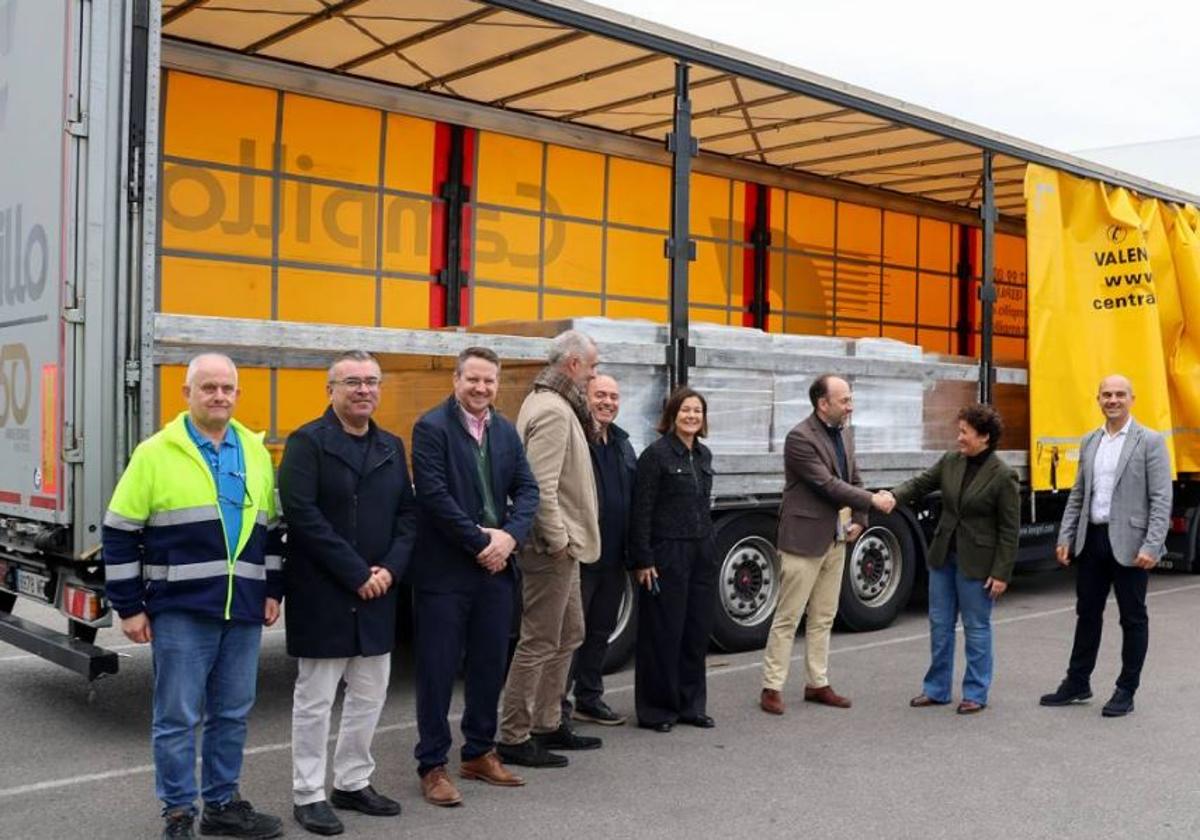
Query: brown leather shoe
x=487, y=768
x=771, y=701
x=437, y=788
x=826, y=696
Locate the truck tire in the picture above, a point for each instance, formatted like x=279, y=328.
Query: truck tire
x=747, y=582
x=880, y=569
x=624, y=635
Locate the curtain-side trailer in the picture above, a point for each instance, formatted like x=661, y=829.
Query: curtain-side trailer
x=283, y=181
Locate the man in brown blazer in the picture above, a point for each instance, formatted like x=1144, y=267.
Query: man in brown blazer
x=815, y=523
x=555, y=425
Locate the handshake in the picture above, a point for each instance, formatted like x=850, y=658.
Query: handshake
x=883, y=501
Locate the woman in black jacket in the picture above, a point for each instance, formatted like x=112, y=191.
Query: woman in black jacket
x=673, y=552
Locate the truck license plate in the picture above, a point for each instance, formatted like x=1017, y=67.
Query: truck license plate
x=34, y=585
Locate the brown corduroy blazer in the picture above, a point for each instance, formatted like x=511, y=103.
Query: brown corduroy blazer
x=813, y=493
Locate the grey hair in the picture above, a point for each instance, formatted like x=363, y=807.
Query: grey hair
x=565, y=345
x=351, y=356
x=194, y=366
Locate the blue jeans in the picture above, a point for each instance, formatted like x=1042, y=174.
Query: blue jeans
x=952, y=594
x=205, y=669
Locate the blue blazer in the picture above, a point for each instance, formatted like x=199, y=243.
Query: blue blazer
x=444, y=472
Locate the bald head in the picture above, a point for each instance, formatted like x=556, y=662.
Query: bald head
x=1115, y=380
x=1115, y=398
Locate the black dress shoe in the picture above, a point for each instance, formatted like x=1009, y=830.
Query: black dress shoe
x=1119, y=705
x=564, y=738
x=699, y=721
x=1066, y=694
x=366, y=801
x=597, y=712
x=530, y=754
x=318, y=818
x=237, y=818
x=665, y=726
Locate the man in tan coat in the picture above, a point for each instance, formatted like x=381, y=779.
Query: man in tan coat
x=555, y=426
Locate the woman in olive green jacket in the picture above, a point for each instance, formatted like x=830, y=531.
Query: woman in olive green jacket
x=971, y=556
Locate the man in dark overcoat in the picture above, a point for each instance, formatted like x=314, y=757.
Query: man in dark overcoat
x=351, y=522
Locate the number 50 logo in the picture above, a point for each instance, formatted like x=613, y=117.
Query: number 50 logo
x=15, y=384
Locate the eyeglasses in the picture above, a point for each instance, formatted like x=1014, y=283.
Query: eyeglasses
x=246, y=501
x=355, y=382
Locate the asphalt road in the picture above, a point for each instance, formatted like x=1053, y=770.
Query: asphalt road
x=70, y=767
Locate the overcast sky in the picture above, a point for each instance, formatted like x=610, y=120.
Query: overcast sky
x=1068, y=74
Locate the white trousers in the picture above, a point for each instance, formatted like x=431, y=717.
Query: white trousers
x=312, y=707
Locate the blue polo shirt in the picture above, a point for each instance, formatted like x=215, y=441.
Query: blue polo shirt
x=228, y=468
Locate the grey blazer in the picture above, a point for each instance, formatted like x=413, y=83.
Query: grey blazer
x=1141, y=502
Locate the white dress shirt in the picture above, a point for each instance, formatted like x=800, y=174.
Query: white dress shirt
x=1104, y=471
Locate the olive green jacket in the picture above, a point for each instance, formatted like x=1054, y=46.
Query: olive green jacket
x=987, y=517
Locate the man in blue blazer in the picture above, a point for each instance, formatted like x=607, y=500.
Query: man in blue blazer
x=477, y=498
x=1115, y=524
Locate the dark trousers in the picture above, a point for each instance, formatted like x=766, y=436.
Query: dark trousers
x=1097, y=572
x=673, y=631
x=600, y=590
x=475, y=621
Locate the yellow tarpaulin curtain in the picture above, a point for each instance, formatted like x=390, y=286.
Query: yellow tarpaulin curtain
x=1106, y=271
x=1182, y=232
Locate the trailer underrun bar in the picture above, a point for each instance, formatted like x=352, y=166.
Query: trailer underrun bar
x=83, y=658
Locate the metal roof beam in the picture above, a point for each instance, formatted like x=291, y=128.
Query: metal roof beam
x=716, y=112
x=328, y=13
x=964, y=188
x=181, y=10
x=737, y=91
x=874, y=153
x=397, y=47
x=900, y=182
x=500, y=60
x=642, y=97
x=779, y=126
x=579, y=78
x=820, y=141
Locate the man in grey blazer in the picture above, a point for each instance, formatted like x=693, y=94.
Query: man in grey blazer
x=1115, y=523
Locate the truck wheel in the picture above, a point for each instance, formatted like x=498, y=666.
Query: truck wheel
x=747, y=583
x=880, y=571
x=624, y=635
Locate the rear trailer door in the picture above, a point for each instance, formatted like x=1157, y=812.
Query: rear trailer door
x=39, y=72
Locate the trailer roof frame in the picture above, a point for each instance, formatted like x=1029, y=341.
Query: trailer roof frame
x=640, y=44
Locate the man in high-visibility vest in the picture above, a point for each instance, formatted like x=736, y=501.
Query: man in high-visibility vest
x=192, y=565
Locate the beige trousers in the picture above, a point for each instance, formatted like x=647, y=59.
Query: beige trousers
x=805, y=582
x=551, y=630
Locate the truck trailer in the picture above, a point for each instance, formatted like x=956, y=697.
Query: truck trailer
x=281, y=180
